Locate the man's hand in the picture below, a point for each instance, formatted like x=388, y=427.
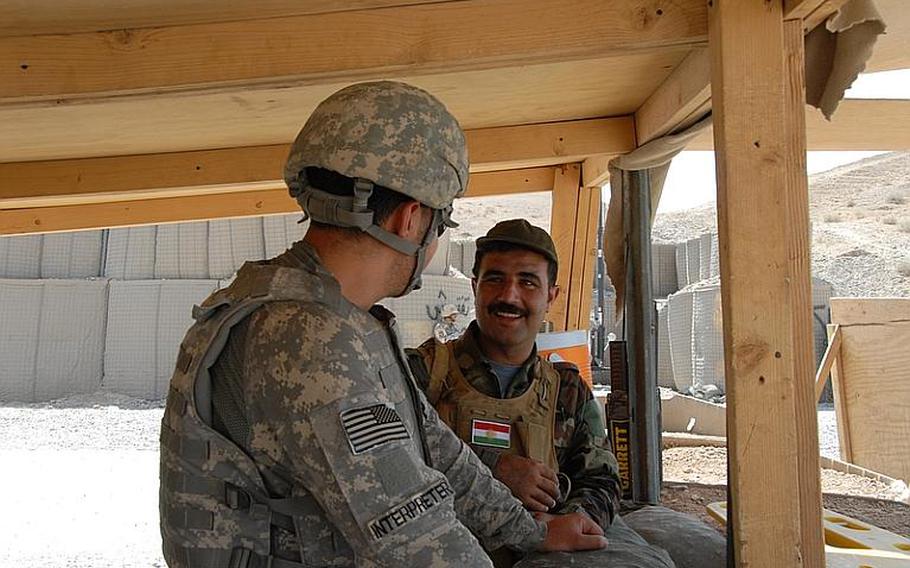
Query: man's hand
x=574, y=531
x=531, y=482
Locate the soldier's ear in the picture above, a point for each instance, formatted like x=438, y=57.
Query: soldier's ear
x=552, y=294
x=407, y=221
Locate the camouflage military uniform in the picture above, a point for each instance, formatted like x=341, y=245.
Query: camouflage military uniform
x=582, y=451
x=281, y=389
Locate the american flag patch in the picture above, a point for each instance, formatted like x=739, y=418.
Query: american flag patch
x=371, y=426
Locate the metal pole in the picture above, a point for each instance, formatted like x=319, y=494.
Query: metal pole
x=641, y=319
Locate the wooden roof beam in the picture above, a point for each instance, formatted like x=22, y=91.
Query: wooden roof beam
x=858, y=125
x=59, y=182
x=685, y=96
x=341, y=47
x=74, y=216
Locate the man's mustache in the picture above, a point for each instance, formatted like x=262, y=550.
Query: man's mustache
x=506, y=308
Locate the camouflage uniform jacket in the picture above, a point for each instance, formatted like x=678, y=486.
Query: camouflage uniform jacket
x=582, y=449
x=281, y=390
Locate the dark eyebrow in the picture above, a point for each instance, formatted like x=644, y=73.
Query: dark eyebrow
x=530, y=275
x=492, y=272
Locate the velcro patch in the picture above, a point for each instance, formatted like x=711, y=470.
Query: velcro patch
x=411, y=509
x=371, y=426
x=490, y=433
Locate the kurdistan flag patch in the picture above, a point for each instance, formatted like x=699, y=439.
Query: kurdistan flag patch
x=489, y=433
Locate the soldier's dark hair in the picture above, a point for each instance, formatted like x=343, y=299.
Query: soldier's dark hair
x=383, y=201
x=500, y=246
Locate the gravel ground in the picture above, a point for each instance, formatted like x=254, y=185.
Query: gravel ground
x=85, y=481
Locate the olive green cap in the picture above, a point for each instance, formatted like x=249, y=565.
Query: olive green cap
x=520, y=232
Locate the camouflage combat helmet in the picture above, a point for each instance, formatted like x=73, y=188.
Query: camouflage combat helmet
x=384, y=134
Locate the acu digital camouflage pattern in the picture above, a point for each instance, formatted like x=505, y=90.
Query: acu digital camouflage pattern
x=582, y=449
x=297, y=356
x=393, y=134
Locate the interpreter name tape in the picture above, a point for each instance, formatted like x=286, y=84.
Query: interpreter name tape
x=410, y=510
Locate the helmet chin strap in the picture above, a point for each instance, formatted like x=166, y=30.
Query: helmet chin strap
x=352, y=211
x=414, y=282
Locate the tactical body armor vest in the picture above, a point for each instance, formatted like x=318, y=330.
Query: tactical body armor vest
x=216, y=511
x=522, y=425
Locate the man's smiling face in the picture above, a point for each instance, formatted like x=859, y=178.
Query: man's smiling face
x=511, y=295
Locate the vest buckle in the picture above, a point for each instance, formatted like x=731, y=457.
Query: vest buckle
x=236, y=498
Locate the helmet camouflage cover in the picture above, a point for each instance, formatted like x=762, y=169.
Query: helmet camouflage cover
x=391, y=134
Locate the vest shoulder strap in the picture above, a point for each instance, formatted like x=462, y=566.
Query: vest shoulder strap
x=439, y=371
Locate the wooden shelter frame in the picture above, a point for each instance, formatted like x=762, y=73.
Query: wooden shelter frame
x=173, y=110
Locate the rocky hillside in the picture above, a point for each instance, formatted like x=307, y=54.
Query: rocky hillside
x=860, y=215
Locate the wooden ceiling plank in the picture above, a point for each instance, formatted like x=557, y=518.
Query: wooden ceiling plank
x=59, y=182
x=341, y=47
x=678, y=99
x=41, y=17
x=173, y=208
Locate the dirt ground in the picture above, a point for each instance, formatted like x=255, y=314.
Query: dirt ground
x=93, y=461
x=695, y=477
x=692, y=498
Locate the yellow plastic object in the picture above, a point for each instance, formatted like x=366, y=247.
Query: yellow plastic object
x=849, y=542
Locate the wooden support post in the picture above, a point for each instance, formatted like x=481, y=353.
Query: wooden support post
x=775, y=512
x=832, y=354
x=641, y=323
x=797, y=216
x=595, y=210
x=563, y=221
x=840, y=399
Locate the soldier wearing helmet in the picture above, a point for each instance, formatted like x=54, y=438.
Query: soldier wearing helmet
x=293, y=433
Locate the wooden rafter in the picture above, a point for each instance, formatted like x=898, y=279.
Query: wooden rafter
x=93, y=213
x=680, y=100
x=68, y=182
x=858, y=124
x=376, y=43
x=685, y=95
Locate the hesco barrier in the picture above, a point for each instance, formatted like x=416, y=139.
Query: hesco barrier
x=52, y=338
x=696, y=332
x=146, y=322
x=418, y=312
x=160, y=271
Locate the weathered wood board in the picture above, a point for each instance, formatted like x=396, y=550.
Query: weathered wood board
x=873, y=400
